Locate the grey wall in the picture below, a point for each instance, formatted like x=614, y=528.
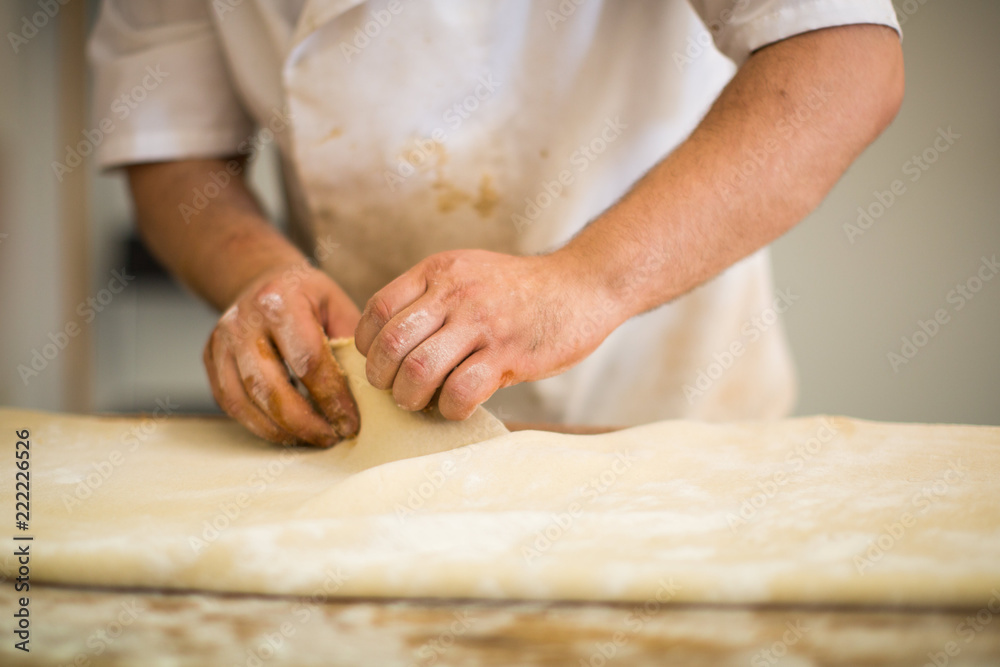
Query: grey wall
x=30, y=273
x=856, y=299
x=859, y=298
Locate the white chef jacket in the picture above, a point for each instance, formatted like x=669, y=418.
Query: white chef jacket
x=411, y=127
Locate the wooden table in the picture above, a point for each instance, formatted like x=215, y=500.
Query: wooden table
x=132, y=627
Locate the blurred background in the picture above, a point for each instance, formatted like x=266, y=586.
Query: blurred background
x=898, y=310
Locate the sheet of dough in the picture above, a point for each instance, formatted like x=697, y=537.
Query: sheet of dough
x=803, y=510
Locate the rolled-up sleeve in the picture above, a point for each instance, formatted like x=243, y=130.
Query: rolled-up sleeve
x=739, y=27
x=162, y=90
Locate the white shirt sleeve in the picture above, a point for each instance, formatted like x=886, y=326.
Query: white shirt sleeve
x=161, y=86
x=741, y=26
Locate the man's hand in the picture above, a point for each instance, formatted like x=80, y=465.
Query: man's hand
x=472, y=321
x=279, y=307
x=283, y=318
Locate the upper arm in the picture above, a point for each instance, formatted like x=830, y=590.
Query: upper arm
x=863, y=63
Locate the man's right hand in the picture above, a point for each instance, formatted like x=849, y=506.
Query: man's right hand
x=280, y=308
x=284, y=317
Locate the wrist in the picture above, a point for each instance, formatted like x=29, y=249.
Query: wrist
x=256, y=267
x=624, y=276
x=589, y=285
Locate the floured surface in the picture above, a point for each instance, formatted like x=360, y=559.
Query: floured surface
x=803, y=510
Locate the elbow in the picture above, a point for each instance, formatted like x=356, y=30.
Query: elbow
x=885, y=82
x=893, y=87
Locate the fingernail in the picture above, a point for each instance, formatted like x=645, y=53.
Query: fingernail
x=347, y=428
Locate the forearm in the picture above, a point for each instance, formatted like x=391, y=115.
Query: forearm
x=783, y=131
x=219, y=249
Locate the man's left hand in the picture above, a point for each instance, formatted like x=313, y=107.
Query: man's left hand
x=472, y=321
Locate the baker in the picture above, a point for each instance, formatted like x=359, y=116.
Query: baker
x=569, y=201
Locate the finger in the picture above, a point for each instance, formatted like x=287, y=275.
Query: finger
x=471, y=384
x=229, y=393
x=386, y=304
x=266, y=383
x=301, y=343
x=427, y=366
x=398, y=338
x=340, y=318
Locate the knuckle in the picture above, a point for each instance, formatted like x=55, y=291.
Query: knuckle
x=259, y=391
x=470, y=388
x=462, y=397
x=304, y=365
x=453, y=293
x=231, y=315
x=225, y=331
x=443, y=261
x=416, y=369
x=379, y=310
x=269, y=299
x=214, y=339
x=391, y=343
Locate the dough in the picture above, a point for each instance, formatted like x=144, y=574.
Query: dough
x=389, y=433
x=802, y=510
